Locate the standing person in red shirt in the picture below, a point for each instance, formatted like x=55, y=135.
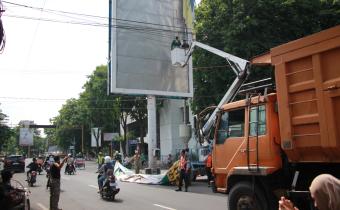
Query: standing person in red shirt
x=184, y=172
x=208, y=165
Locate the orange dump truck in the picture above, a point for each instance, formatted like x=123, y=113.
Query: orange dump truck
x=274, y=144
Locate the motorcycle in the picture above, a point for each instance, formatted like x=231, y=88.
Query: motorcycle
x=70, y=169
x=32, y=178
x=110, y=187
x=20, y=196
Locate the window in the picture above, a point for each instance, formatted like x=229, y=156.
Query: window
x=186, y=114
x=231, y=125
x=254, y=123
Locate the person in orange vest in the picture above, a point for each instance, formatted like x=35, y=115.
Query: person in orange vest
x=184, y=172
x=208, y=165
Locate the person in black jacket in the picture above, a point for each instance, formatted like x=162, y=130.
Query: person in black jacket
x=55, y=182
x=33, y=166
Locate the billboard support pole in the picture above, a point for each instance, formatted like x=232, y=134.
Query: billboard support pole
x=109, y=49
x=152, y=136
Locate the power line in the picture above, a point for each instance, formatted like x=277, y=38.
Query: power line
x=19, y=99
x=34, y=36
x=146, y=30
x=93, y=16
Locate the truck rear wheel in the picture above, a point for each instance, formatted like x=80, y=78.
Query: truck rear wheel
x=243, y=197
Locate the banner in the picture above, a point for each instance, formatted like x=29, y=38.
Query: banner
x=188, y=13
x=110, y=136
x=26, y=137
x=96, y=132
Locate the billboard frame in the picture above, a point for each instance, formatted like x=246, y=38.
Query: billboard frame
x=113, y=65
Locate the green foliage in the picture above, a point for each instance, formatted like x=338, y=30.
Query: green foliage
x=247, y=28
x=94, y=108
x=11, y=146
x=5, y=131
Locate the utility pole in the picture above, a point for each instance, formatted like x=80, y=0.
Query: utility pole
x=82, y=139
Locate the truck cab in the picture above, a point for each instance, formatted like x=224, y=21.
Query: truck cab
x=275, y=144
x=246, y=143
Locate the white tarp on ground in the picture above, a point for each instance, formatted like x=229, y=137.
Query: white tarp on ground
x=127, y=175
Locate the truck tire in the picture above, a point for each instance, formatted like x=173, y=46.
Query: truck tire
x=242, y=196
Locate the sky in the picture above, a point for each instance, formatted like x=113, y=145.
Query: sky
x=46, y=59
x=45, y=63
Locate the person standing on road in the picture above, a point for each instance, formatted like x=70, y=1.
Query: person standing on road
x=208, y=165
x=55, y=182
x=100, y=159
x=137, y=161
x=169, y=161
x=184, y=172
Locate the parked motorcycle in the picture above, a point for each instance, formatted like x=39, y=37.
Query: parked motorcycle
x=32, y=178
x=20, y=199
x=110, y=188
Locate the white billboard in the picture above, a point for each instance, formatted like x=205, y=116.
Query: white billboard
x=26, y=137
x=96, y=132
x=110, y=136
x=141, y=37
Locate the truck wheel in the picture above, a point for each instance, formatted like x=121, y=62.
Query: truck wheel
x=242, y=196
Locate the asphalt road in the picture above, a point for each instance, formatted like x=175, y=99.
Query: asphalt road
x=80, y=192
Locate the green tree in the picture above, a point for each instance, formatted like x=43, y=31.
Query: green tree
x=140, y=114
x=94, y=108
x=247, y=28
x=5, y=131
x=123, y=106
x=100, y=110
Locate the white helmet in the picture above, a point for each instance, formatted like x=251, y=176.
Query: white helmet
x=107, y=159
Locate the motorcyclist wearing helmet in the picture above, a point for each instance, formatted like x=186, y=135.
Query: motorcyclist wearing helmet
x=103, y=170
x=70, y=163
x=33, y=166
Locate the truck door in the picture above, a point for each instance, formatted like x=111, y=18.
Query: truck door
x=229, y=136
x=257, y=132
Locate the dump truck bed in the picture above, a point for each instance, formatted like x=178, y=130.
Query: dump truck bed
x=307, y=74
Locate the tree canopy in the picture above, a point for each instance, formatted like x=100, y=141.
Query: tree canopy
x=247, y=28
x=95, y=109
x=5, y=131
